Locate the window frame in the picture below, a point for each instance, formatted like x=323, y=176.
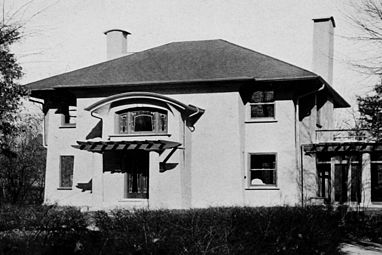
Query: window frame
x=156, y=113
x=60, y=181
x=262, y=186
x=261, y=119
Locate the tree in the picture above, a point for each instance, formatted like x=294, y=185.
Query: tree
x=370, y=108
x=23, y=165
x=11, y=92
x=366, y=18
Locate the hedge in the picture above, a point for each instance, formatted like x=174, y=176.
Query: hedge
x=275, y=230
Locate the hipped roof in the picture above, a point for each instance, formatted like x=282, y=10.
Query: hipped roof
x=180, y=62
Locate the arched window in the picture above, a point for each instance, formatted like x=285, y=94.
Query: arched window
x=142, y=120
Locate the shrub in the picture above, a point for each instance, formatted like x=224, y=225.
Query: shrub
x=360, y=225
x=40, y=229
x=277, y=230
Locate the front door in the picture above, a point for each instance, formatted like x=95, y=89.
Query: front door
x=136, y=169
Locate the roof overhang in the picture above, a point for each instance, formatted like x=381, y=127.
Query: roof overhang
x=147, y=145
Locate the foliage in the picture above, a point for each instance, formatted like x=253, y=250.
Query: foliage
x=365, y=226
x=370, y=108
x=41, y=230
x=22, y=166
x=10, y=72
x=273, y=230
x=277, y=230
x=366, y=17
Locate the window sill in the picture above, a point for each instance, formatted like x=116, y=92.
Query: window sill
x=264, y=120
x=68, y=126
x=136, y=135
x=64, y=188
x=135, y=200
x=262, y=188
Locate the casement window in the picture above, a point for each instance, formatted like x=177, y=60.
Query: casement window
x=262, y=104
x=66, y=171
x=376, y=177
x=263, y=170
x=69, y=116
x=142, y=120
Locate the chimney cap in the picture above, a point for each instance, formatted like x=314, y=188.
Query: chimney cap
x=117, y=30
x=326, y=19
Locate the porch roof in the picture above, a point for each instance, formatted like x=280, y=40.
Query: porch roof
x=342, y=147
x=147, y=145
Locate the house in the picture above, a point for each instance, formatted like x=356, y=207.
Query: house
x=198, y=124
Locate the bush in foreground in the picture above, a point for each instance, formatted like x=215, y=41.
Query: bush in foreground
x=276, y=230
x=64, y=230
x=40, y=229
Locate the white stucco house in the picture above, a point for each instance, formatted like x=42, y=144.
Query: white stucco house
x=198, y=124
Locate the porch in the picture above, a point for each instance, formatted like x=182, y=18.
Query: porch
x=347, y=166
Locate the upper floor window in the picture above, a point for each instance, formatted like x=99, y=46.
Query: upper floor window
x=142, y=120
x=262, y=104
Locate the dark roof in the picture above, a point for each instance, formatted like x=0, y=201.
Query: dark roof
x=190, y=61
x=179, y=61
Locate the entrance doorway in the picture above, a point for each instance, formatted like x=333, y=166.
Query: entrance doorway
x=135, y=165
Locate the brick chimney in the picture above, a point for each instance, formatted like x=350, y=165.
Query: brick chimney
x=116, y=43
x=323, y=46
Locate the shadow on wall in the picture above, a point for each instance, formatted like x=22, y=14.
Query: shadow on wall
x=87, y=186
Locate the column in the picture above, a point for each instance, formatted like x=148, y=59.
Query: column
x=349, y=181
x=332, y=179
x=154, y=181
x=97, y=180
x=366, y=180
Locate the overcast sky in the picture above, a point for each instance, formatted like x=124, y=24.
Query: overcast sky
x=68, y=34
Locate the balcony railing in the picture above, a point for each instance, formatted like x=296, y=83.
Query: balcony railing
x=343, y=135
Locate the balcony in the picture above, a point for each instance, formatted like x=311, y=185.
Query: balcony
x=342, y=135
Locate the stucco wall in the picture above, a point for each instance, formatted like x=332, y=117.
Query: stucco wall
x=213, y=161
x=215, y=152
x=108, y=188
x=308, y=127
x=274, y=137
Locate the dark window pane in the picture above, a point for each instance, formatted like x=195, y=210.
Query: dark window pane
x=262, y=177
x=324, y=157
x=340, y=182
x=268, y=96
x=66, y=169
x=323, y=181
x=257, y=97
x=162, y=123
x=356, y=182
x=262, y=110
x=269, y=110
x=143, y=123
x=376, y=157
x=262, y=97
x=123, y=123
x=263, y=161
x=376, y=182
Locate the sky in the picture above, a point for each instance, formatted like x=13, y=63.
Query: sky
x=65, y=35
